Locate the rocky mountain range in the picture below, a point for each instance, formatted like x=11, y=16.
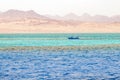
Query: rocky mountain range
x=17, y=14
x=24, y=17
x=87, y=18
x=16, y=21
x=13, y=15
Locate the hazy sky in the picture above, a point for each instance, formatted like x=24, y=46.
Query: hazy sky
x=62, y=7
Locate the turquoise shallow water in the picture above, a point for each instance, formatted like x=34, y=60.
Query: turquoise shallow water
x=57, y=39
x=55, y=42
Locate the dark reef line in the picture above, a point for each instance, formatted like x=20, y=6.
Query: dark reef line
x=57, y=48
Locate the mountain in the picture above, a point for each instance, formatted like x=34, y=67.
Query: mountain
x=17, y=14
x=56, y=17
x=101, y=18
x=16, y=21
x=71, y=16
x=0, y=12
x=116, y=18
x=32, y=18
x=86, y=18
x=23, y=17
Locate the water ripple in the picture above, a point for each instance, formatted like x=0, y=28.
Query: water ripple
x=61, y=65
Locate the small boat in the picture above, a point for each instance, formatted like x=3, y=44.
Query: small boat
x=73, y=37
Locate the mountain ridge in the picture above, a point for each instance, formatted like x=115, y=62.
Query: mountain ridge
x=19, y=14
x=16, y=21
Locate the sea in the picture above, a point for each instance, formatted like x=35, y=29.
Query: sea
x=93, y=64
x=58, y=39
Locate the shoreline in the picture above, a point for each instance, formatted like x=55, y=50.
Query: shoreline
x=60, y=48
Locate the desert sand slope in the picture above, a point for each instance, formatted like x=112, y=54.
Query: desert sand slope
x=59, y=28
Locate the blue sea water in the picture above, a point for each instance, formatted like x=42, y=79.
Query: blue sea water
x=60, y=65
x=97, y=64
